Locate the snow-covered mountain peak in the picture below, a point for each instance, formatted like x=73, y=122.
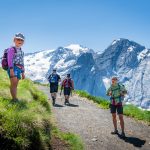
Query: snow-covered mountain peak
x=115, y=41
x=77, y=49
x=62, y=58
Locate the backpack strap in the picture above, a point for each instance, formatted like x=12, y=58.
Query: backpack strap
x=15, y=50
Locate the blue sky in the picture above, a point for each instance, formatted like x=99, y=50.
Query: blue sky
x=48, y=24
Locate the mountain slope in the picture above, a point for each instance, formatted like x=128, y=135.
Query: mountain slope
x=92, y=71
x=39, y=65
x=16, y=125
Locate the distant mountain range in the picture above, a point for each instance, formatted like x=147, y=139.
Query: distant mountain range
x=92, y=71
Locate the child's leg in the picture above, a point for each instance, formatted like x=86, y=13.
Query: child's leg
x=13, y=87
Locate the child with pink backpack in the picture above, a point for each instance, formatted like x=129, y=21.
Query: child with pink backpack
x=13, y=63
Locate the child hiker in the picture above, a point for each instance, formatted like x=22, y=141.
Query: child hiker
x=116, y=93
x=15, y=58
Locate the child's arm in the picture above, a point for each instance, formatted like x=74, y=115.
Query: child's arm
x=10, y=56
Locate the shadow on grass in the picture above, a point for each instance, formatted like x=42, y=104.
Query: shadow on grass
x=133, y=140
x=7, y=144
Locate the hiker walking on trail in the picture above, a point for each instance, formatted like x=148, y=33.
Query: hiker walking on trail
x=117, y=93
x=54, y=80
x=13, y=63
x=68, y=86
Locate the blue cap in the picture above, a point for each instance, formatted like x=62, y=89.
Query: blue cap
x=19, y=36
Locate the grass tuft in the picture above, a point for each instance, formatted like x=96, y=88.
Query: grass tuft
x=73, y=140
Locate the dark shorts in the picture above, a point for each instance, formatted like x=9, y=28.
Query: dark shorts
x=67, y=91
x=116, y=108
x=53, y=88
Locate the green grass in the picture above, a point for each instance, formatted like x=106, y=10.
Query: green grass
x=103, y=103
x=133, y=111
x=43, y=84
x=24, y=124
x=73, y=140
x=129, y=110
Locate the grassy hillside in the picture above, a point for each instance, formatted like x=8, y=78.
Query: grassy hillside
x=129, y=110
x=24, y=124
x=27, y=124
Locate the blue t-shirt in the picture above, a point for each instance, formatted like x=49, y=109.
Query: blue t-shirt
x=54, y=79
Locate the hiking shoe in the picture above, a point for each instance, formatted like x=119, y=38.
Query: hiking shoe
x=114, y=132
x=123, y=135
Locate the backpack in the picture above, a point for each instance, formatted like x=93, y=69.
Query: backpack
x=67, y=83
x=4, y=58
x=121, y=96
x=53, y=78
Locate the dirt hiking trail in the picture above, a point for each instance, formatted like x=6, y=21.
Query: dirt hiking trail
x=94, y=125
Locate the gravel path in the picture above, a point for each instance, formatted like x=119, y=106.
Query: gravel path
x=94, y=126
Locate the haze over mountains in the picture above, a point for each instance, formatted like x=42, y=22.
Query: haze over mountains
x=92, y=71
